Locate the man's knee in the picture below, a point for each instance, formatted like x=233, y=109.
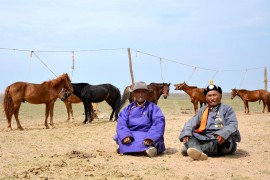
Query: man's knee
x=228, y=147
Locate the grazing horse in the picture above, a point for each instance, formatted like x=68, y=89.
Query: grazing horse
x=252, y=96
x=96, y=93
x=155, y=91
x=74, y=99
x=45, y=93
x=196, y=94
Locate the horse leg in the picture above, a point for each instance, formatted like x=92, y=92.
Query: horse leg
x=264, y=106
x=46, y=116
x=9, y=120
x=111, y=116
x=117, y=109
x=113, y=106
x=247, y=107
x=51, y=114
x=196, y=106
x=85, y=112
x=90, y=114
x=68, y=110
x=16, y=115
x=71, y=111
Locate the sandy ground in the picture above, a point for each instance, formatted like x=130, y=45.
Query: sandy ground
x=75, y=151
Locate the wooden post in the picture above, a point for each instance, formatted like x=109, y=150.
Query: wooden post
x=130, y=67
x=265, y=78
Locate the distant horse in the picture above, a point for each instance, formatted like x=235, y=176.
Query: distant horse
x=252, y=96
x=196, y=94
x=155, y=91
x=45, y=93
x=96, y=93
x=74, y=99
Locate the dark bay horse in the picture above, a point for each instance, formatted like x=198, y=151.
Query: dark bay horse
x=75, y=99
x=155, y=91
x=252, y=96
x=45, y=93
x=196, y=94
x=97, y=93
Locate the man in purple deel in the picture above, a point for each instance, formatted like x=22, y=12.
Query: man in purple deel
x=141, y=125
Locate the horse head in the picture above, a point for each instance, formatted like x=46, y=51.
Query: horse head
x=67, y=84
x=179, y=86
x=67, y=89
x=64, y=94
x=166, y=90
x=233, y=93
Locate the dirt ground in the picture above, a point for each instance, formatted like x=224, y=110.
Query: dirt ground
x=73, y=150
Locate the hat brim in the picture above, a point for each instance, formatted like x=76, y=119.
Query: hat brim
x=140, y=89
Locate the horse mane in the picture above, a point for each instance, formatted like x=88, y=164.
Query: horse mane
x=159, y=84
x=191, y=86
x=184, y=83
x=57, y=80
x=80, y=84
x=241, y=90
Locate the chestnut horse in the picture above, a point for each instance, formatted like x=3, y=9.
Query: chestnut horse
x=155, y=91
x=45, y=93
x=75, y=99
x=196, y=94
x=252, y=96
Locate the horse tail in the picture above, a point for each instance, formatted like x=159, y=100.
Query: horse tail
x=8, y=106
x=268, y=101
x=125, y=96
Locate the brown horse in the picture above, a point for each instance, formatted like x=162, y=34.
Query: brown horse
x=155, y=91
x=196, y=94
x=75, y=99
x=45, y=93
x=252, y=96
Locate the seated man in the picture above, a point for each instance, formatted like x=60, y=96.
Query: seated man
x=213, y=130
x=140, y=126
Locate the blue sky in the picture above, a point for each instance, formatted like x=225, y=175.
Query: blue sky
x=227, y=41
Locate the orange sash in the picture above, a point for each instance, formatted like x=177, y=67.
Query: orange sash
x=203, y=120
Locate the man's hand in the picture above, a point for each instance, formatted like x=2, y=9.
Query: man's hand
x=126, y=140
x=185, y=139
x=148, y=142
x=220, y=139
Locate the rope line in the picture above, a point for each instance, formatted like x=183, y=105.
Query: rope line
x=43, y=63
x=193, y=72
x=161, y=72
x=137, y=51
x=245, y=75
x=62, y=51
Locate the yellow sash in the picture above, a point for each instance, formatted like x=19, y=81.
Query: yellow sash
x=203, y=120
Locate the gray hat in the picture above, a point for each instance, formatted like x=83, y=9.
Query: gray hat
x=140, y=85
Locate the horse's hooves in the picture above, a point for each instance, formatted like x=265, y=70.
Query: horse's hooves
x=47, y=127
x=20, y=128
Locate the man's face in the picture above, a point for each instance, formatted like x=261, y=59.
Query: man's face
x=213, y=98
x=140, y=95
